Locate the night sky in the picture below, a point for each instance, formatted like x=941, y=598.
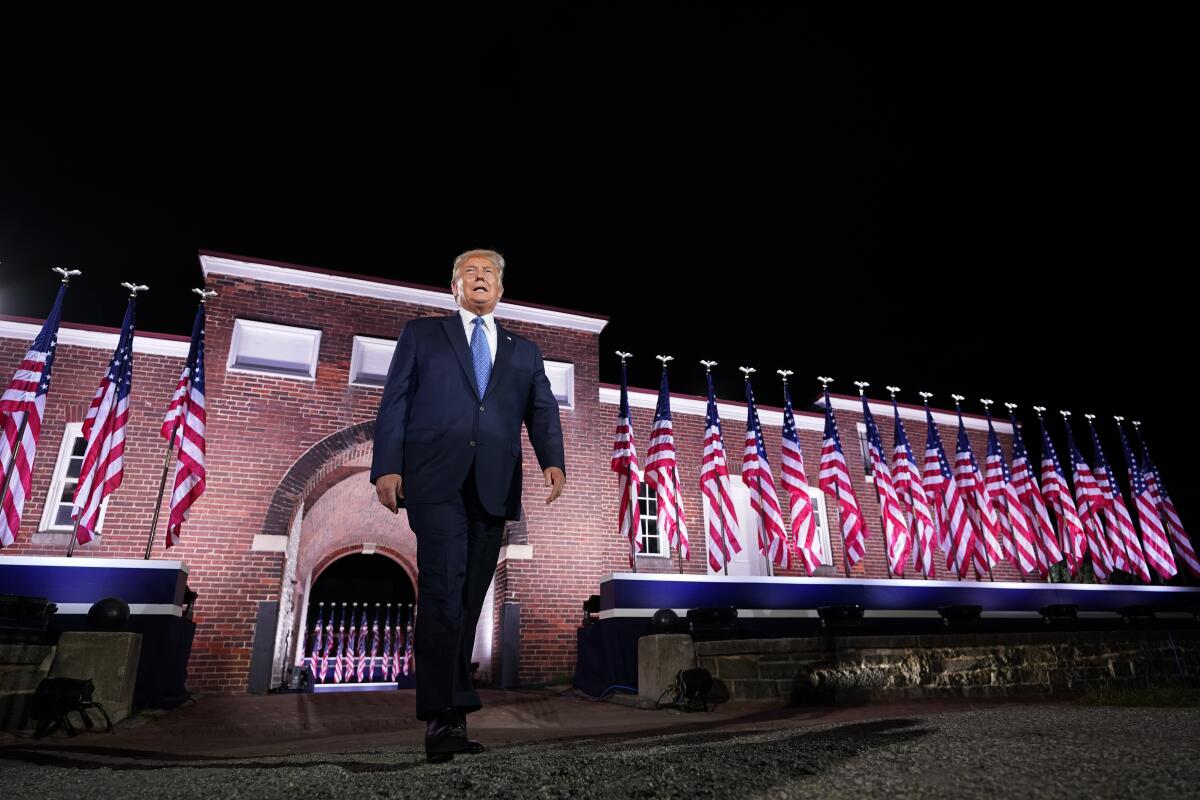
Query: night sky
x=968, y=202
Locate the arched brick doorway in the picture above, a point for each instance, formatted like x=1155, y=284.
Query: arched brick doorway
x=334, y=513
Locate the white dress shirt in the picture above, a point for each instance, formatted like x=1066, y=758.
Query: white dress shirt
x=489, y=327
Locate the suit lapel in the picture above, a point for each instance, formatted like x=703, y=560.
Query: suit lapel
x=504, y=350
x=458, y=343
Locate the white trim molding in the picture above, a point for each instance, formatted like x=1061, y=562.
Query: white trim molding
x=269, y=543
x=516, y=552
x=730, y=413
x=370, y=359
x=562, y=382
x=947, y=419
x=363, y=286
x=279, y=351
x=150, y=345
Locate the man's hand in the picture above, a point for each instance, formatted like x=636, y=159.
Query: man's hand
x=555, y=478
x=390, y=490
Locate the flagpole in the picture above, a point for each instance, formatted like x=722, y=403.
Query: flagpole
x=12, y=465
x=1155, y=578
x=11, y=468
x=1112, y=485
x=908, y=514
x=977, y=517
x=679, y=519
x=675, y=477
x=162, y=485
x=204, y=294
x=1012, y=528
x=883, y=524
x=1181, y=566
x=708, y=365
x=762, y=525
x=837, y=506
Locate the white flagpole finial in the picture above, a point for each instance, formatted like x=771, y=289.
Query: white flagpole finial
x=67, y=274
x=134, y=288
x=1089, y=418
x=1011, y=407
x=1065, y=414
x=893, y=390
x=708, y=365
x=862, y=385
x=665, y=359
x=747, y=371
x=1118, y=418
x=958, y=398
x=623, y=356
x=1039, y=410
x=205, y=293
x=825, y=381
x=986, y=403
x=1137, y=423
x=784, y=373
x=926, y=396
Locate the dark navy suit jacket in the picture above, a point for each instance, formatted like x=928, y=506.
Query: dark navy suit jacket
x=433, y=425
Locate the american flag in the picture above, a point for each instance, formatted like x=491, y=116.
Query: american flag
x=1089, y=502
x=625, y=464
x=352, y=645
x=388, y=654
x=1022, y=545
x=1057, y=493
x=361, y=650
x=715, y=485
x=834, y=480
x=399, y=663
x=408, y=642
x=1030, y=495
x=329, y=645
x=956, y=531
x=895, y=526
x=911, y=491
x=103, y=465
x=340, y=654
x=988, y=550
x=756, y=474
x=317, y=631
x=374, y=642
x=1166, y=507
x=187, y=413
x=25, y=401
x=661, y=472
x=800, y=503
x=1154, y=536
x=1123, y=540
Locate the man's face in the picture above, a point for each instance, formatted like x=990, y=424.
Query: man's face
x=478, y=285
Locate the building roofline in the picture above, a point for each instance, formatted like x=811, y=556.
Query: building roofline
x=99, y=336
x=386, y=289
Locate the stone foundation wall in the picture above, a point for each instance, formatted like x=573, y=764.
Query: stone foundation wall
x=855, y=669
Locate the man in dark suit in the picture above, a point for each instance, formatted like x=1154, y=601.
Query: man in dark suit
x=448, y=450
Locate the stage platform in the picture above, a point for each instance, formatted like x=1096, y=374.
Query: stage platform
x=771, y=607
x=155, y=591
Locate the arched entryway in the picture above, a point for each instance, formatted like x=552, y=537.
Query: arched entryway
x=340, y=535
x=362, y=603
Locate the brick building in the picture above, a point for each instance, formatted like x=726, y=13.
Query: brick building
x=296, y=358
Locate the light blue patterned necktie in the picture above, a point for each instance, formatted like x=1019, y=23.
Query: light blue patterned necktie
x=481, y=355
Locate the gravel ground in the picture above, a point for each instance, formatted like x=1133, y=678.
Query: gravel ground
x=1030, y=751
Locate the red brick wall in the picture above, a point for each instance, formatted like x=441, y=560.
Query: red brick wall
x=260, y=429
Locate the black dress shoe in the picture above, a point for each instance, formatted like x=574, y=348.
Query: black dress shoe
x=473, y=746
x=444, y=737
